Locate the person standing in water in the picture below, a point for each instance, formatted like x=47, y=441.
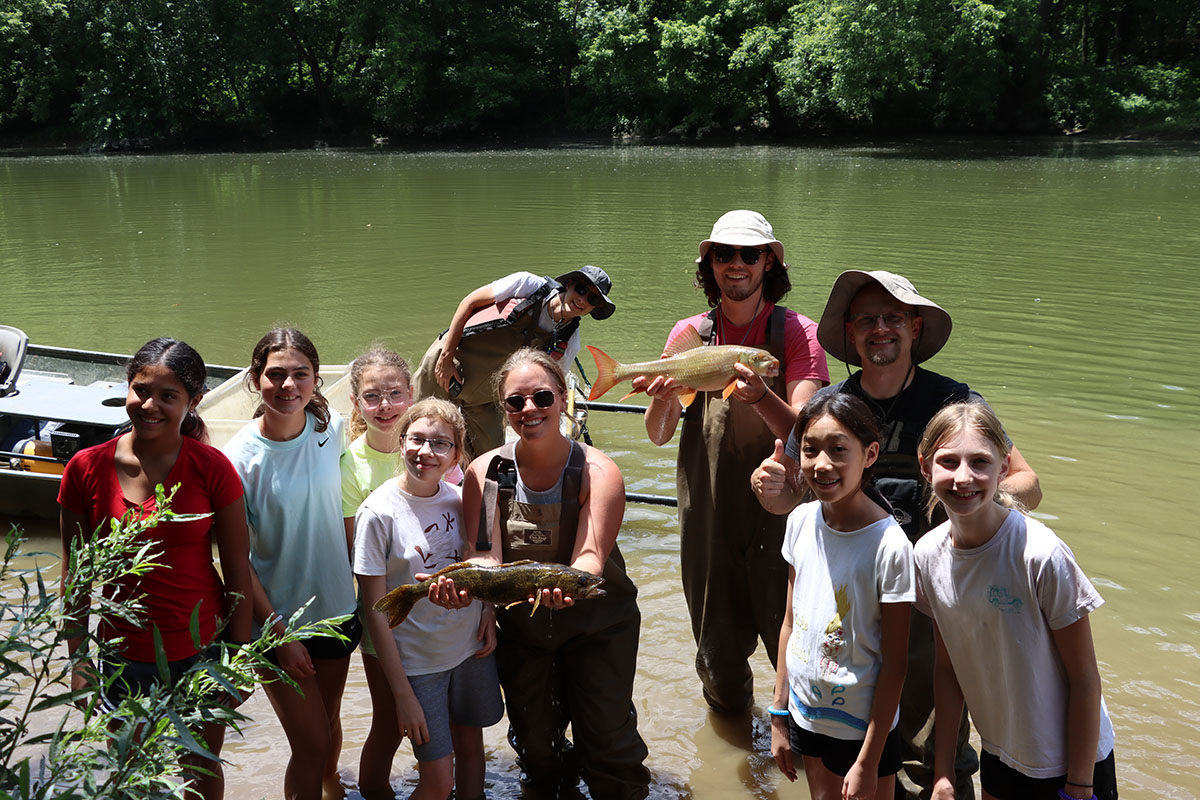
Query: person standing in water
x=493, y=322
x=734, y=578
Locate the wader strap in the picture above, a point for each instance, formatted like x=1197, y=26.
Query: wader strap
x=568, y=516
x=706, y=327
x=499, y=485
x=775, y=346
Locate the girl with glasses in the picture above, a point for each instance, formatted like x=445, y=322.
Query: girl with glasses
x=433, y=677
x=550, y=499
x=287, y=458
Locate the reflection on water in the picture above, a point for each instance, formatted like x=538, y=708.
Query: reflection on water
x=1069, y=268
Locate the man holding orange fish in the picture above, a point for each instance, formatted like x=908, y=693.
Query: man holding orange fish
x=734, y=577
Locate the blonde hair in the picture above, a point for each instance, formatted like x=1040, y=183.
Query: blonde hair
x=447, y=412
x=528, y=355
x=953, y=420
x=376, y=356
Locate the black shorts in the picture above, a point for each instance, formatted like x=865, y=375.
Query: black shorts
x=839, y=755
x=139, y=677
x=1005, y=783
x=331, y=647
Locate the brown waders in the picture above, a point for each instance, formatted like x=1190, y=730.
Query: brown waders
x=484, y=347
x=734, y=575
x=572, y=666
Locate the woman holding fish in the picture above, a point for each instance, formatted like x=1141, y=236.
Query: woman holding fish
x=549, y=499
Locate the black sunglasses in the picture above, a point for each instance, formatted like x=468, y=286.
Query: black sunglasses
x=542, y=398
x=587, y=292
x=723, y=254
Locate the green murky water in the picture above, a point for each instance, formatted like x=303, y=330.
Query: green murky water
x=1070, y=270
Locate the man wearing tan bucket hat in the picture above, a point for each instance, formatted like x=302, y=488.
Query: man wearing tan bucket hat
x=734, y=575
x=878, y=321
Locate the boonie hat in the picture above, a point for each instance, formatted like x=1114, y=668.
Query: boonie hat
x=603, y=284
x=743, y=228
x=831, y=332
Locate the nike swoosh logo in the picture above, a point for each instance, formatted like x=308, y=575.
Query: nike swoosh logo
x=322, y=444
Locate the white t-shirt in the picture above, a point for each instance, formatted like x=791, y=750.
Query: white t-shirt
x=833, y=655
x=995, y=607
x=294, y=507
x=523, y=284
x=398, y=535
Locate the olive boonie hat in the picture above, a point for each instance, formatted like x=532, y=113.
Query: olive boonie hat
x=831, y=332
x=603, y=284
x=743, y=228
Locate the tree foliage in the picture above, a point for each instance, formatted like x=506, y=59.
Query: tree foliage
x=185, y=71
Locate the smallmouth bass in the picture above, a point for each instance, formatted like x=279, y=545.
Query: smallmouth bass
x=506, y=584
x=688, y=361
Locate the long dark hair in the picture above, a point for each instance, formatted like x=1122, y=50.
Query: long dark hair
x=276, y=340
x=187, y=366
x=855, y=416
x=776, y=283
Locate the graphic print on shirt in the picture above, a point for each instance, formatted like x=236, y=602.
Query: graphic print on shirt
x=1002, y=601
x=835, y=633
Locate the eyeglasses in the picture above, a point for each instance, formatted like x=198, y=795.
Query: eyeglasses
x=892, y=319
x=724, y=253
x=542, y=398
x=440, y=447
x=373, y=399
x=586, y=291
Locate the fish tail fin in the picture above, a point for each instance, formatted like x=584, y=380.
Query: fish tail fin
x=606, y=368
x=396, y=604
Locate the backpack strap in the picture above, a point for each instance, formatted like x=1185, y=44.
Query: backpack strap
x=706, y=329
x=775, y=346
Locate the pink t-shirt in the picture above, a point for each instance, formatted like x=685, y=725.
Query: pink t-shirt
x=207, y=482
x=803, y=357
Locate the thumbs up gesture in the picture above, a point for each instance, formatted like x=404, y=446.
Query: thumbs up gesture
x=770, y=477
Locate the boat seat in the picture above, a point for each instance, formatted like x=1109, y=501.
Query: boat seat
x=13, y=343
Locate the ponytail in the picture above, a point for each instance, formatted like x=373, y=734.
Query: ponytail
x=194, y=427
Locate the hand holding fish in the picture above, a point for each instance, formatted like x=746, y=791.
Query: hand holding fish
x=770, y=477
x=442, y=592
x=749, y=387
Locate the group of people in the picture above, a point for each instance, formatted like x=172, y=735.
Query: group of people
x=895, y=455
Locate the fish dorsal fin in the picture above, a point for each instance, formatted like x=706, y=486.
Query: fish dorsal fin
x=687, y=398
x=452, y=568
x=729, y=389
x=687, y=339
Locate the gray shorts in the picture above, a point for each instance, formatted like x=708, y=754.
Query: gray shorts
x=468, y=695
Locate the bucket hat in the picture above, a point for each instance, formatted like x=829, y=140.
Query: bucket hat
x=603, y=284
x=743, y=228
x=831, y=332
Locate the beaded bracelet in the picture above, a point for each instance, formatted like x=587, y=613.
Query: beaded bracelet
x=1066, y=796
x=775, y=712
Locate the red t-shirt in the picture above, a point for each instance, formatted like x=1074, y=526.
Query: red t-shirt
x=207, y=482
x=803, y=357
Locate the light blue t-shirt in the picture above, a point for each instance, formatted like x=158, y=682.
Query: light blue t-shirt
x=294, y=507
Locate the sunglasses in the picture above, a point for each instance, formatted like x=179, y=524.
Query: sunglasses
x=587, y=292
x=724, y=253
x=542, y=398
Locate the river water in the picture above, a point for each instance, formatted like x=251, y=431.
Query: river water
x=1070, y=269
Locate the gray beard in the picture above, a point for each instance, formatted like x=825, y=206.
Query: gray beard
x=884, y=358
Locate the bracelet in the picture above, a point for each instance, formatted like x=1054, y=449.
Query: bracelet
x=761, y=397
x=775, y=712
x=1080, y=785
x=1066, y=796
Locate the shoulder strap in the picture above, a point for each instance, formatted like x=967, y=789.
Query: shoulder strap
x=775, y=346
x=499, y=485
x=706, y=327
x=568, y=518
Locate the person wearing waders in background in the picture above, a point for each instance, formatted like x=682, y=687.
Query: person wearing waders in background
x=877, y=321
x=734, y=576
x=495, y=321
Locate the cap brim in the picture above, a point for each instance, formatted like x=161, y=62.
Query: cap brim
x=606, y=308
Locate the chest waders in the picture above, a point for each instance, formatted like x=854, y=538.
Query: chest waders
x=734, y=575
x=490, y=336
x=572, y=666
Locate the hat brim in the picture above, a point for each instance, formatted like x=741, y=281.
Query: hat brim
x=831, y=331
x=602, y=311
